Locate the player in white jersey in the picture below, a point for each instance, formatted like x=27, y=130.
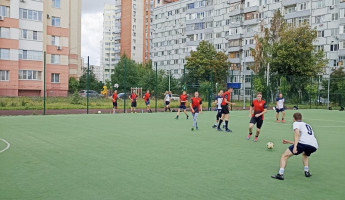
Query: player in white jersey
x=167, y=100
x=280, y=107
x=218, y=102
x=305, y=143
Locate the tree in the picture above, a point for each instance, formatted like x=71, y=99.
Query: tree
x=73, y=84
x=336, y=86
x=126, y=72
x=94, y=83
x=206, y=62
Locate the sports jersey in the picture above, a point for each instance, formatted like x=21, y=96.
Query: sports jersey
x=134, y=97
x=226, y=96
x=147, y=96
x=196, y=102
x=259, y=107
x=167, y=97
x=280, y=102
x=183, y=98
x=115, y=98
x=219, y=100
x=306, y=134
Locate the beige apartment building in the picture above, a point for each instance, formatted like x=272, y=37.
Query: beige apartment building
x=28, y=29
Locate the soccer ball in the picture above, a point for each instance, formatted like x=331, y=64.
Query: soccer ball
x=270, y=145
x=99, y=112
x=116, y=85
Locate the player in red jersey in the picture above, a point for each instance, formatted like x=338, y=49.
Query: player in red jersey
x=225, y=109
x=115, y=97
x=196, y=108
x=183, y=102
x=147, y=101
x=260, y=108
x=134, y=97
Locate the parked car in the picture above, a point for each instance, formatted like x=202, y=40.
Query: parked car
x=91, y=93
x=175, y=97
x=121, y=95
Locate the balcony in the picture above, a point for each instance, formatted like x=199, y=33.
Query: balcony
x=235, y=49
x=342, y=36
x=234, y=37
x=289, y=2
x=251, y=22
x=251, y=9
x=235, y=60
x=341, y=52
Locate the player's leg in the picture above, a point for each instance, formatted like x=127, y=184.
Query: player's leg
x=227, y=123
x=220, y=122
x=178, y=113
x=185, y=112
x=258, y=127
x=252, y=122
x=305, y=161
x=217, y=119
x=277, y=115
x=283, y=161
x=283, y=116
x=195, y=117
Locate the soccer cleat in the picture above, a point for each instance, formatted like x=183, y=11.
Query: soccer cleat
x=218, y=129
x=283, y=121
x=187, y=116
x=307, y=174
x=278, y=176
x=193, y=129
x=228, y=130
x=214, y=126
x=277, y=121
x=248, y=137
x=255, y=139
x=176, y=117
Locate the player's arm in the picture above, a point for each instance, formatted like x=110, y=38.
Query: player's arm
x=191, y=107
x=200, y=107
x=297, y=136
x=251, y=110
x=277, y=105
x=263, y=112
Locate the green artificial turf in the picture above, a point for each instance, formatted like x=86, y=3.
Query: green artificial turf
x=154, y=156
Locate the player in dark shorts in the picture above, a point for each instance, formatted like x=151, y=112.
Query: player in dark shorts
x=115, y=97
x=183, y=102
x=147, y=101
x=218, y=103
x=225, y=110
x=304, y=143
x=260, y=108
x=134, y=97
x=167, y=100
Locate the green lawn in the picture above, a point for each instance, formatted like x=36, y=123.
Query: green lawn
x=153, y=156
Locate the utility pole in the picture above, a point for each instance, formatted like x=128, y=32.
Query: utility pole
x=44, y=83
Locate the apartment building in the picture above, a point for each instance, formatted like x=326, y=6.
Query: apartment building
x=230, y=25
x=126, y=30
x=28, y=29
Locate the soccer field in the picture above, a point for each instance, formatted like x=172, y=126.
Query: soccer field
x=154, y=156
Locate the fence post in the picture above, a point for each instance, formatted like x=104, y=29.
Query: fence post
x=329, y=82
x=232, y=78
x=156, y=91
x=311, y=85
x=88, y=85
x=125, y=85
x=318, y=93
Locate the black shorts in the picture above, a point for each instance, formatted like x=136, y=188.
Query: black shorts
x=182, y=107
x=115, y=104
x=258, y=121
x=307, y=149
x=219, y=114
x=167, y=103
x=280, y=110
x=225, y=109
x=134, y=104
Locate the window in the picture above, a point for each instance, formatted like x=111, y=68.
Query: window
x=56, y=3
x=56, y=21
x=335, y=16
x=175, y=71
x=334, y=47
x=4, y=11
x=319, y=48
x=303, y=6
x=320, y=33
x=29, y=75
x=290, y=9
x=55, y=78
x=334, y=31
x=4, y=54
x=30, y=55
x=31, y=35
x=190, y=6
x=30, y=14
x=218, y=35
x=4, y=32
x=55, y=59
x=319, y=4
x=4, y=75
x=318, y=19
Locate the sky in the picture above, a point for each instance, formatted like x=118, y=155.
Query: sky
x=92, y=29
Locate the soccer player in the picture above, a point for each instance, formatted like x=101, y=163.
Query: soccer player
x=304, y=143
x=196, y=108
x=167, y=100
x=134, y=97
x=115, y=97
x=147, y=101
x=218, y=102
x=260, y=108
x=280, y=107
x=225, y=110
x=183, y=103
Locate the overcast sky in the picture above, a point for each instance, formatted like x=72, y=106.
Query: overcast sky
x=92, y=29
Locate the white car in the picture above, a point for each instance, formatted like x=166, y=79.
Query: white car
x=175, y=97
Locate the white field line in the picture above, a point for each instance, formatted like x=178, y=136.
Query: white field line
x=8, y=145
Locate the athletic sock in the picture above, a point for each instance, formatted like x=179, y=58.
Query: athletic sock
x=220, y=123
x=282, y=118
x=226, y=124
x=250, y=134
x=306, y=168
x=281, y=171
x=177, y=117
